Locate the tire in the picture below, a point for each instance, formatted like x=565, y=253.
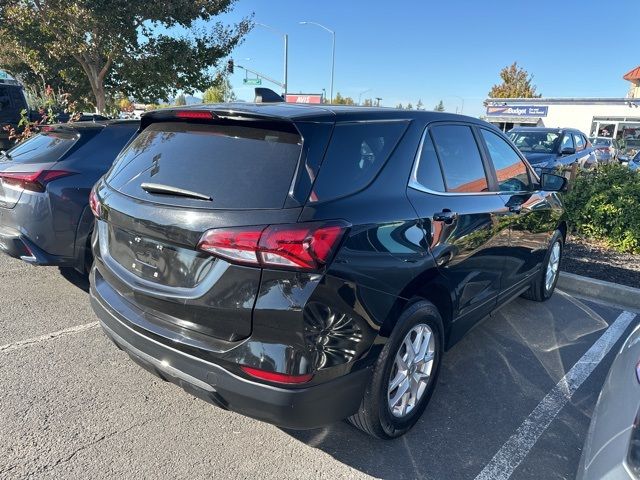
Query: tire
x=540, y=291
x=375, y=416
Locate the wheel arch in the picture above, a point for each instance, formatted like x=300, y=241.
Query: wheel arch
x=431, y=287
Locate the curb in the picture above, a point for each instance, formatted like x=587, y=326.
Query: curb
x=599, y=289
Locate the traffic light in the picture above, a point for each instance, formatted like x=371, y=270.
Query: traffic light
x=230, y=66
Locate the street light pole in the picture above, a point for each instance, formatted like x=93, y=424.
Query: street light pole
x=286, y=53
x=360, y=95
x=333, y=53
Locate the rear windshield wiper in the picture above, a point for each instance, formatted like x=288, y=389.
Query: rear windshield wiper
x=169, y=190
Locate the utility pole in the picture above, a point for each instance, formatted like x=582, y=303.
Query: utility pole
x=286, y=54
x=333, y=53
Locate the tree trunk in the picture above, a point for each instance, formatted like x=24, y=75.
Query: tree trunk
x=96, y=80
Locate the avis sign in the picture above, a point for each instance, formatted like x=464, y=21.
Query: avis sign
x=517, y=111
x=304, y=98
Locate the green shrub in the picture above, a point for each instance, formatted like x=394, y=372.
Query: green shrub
x=605, y=204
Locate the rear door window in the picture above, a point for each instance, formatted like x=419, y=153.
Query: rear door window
x=356, y=153
x=460, y=159
x=43, y=148
x=511, y=172
x=237, y=166
x=579, y=141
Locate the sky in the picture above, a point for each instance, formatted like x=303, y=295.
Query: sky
x=406, y=51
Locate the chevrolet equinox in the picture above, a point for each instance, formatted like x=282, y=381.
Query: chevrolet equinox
x=306, y=264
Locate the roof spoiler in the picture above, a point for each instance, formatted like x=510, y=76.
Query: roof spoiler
x=266, y=95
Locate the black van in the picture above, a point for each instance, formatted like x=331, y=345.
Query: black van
x=12, y=102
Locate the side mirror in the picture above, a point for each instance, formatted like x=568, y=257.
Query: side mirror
x=553, y=183
x=567, y=151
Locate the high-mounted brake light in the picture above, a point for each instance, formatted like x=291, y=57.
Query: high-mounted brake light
x=32, y=181
x=276, y=377
x=298, y=246
x=94, y=203
x=194, y=115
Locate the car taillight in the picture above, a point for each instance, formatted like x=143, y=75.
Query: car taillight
x=32, y=181
x=94, y=203
x=298, y=246
x=276, y=377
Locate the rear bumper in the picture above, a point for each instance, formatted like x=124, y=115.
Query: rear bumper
x=296, y=408
x=17, y=245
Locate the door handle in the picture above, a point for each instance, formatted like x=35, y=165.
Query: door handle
x=446, y=216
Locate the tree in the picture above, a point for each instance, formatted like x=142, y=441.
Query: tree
x=340, y=100
x=221, y=91
x=368, y=102
x=439, y=107
x=180, y=100
x=516, y=83
x=125, y=46
x=409, y=106
x=419, y=105
x=400, y=106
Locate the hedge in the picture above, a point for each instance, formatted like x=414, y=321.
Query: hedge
x=604, y=204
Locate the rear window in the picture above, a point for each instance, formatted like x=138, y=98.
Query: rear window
x=43, y=148
x=356, y=154
x=239, y=167
x=5, y=100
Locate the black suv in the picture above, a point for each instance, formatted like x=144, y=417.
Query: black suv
x=305, y=264
x=12, y=102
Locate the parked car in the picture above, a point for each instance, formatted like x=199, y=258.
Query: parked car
x=612, y=447
x=12, y=102
x=302, y=264
x=44, y=191
x=606, y=149
x=630, y=149
x=548, y=149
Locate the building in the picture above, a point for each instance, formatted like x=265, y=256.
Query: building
x=606, y=117
x=634, y=77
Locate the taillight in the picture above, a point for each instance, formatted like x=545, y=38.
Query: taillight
x=298, y=246
x=276, y=377
x=94, y=203
x=32, y=181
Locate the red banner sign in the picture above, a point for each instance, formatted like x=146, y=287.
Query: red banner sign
x=304, y=98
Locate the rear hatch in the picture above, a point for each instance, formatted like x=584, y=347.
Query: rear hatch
x=178, y=179
x=31, y=165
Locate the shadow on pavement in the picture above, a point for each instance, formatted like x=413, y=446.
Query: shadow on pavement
x=489, y=383
x=76, y=278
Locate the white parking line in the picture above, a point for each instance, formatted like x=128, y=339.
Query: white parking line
x=48, y=336
x=515, y=450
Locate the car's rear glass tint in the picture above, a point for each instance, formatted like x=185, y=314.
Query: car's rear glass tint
x=43, y=148
x=239, y=167
x=356, y=154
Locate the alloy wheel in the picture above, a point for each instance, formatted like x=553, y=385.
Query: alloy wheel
x=552, y=266
x=411, y=371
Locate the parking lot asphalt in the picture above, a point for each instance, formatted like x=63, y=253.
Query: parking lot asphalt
x=74, y=406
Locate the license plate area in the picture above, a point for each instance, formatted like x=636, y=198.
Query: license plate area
x=157, y=261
